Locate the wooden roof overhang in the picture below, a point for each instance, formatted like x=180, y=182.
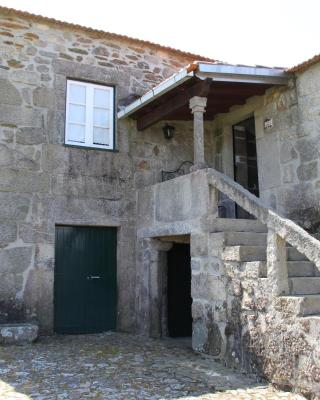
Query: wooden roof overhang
x=223, y=85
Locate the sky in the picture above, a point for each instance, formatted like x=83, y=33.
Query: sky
x=253, y=32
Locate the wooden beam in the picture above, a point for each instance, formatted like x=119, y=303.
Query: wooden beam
x=174, y=103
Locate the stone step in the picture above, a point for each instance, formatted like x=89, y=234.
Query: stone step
x=260, y=251
x=254, y=269
x=310, y=305
x=236, y=225
x=244, y=253
x=247, y=253
x=307, y=305
x=294, y=255
x=304, y=285
x=295, y=269
x=302, y=268
x=245, y=239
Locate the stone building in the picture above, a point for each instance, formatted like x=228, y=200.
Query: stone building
x=131, y=172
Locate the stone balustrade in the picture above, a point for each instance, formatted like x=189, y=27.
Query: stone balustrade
x=280, y=230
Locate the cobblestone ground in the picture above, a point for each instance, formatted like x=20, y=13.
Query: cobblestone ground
x=120, y=367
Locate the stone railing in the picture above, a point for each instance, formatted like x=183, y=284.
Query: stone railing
x=280, y=231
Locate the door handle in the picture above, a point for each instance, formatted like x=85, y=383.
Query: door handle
x=93, y=277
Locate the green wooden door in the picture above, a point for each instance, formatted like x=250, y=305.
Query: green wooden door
x=85, y=295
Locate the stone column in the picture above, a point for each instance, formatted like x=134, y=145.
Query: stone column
x=277, y=270
x=197, y=105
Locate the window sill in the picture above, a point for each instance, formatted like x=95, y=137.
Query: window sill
x=90, y=148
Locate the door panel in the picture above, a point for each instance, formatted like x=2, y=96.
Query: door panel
x=245, y=160
x=85, y=279
x=179, y=291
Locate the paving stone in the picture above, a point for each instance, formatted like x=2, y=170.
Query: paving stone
x=117, y=366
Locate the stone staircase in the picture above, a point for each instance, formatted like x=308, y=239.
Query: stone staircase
x=245, y=242
x=270, y=268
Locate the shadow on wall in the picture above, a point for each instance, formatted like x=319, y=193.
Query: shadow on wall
x=308, y=218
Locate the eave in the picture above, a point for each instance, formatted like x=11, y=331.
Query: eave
x=224, y=85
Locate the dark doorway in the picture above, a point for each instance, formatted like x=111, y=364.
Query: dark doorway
x=179, y=291
x=245, y=160
x=85, y=281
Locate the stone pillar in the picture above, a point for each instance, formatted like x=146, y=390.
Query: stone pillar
x=197, y=105
x=277, y=270
x=150, y=300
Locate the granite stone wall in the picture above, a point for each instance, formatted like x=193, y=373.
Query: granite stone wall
x=44, y=183
x=237, y=321
x=287, y=153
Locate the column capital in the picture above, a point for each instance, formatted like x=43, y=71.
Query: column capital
x=198, y=104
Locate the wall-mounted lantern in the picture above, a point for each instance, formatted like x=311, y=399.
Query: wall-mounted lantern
x=168, y=131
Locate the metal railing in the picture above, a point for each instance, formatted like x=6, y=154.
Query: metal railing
x=183, y=169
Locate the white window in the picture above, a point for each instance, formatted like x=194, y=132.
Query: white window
x=89, y=115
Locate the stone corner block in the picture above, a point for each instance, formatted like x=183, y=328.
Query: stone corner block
x=18, y=334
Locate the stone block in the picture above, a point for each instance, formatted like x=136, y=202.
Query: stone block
x=81, y=210
x=91, y=72
x=101, y=51
x=48, y=54
x=10, y=285
x=144, y=178
x=268, y=166
x=199, y=244
x=212, y=266
x=308, y=171
x=198, y=310
x=15, y=260
x=287, y=152
x=38, y=297
x=199, y=335
x=9, y=94
x=8, y=232
x=20, y=116
x=18, y=334
x=308, y=82
x=145, y=204
x=189, y=198
x=6, y=156
x=6, y=135
x=14, y=206
x=26, y=77
x=44, y=256
x=307, y=149
x=296, y=197
x=288, y=173
x=26, y=94
x=30, y=136
x=27, y=158
x=207, y=287
x=44, y=97
x=13, y=180
x=195, y=265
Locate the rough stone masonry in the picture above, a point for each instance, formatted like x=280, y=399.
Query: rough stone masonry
x=44, y=183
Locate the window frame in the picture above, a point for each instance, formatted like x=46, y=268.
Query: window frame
x=88, y=144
